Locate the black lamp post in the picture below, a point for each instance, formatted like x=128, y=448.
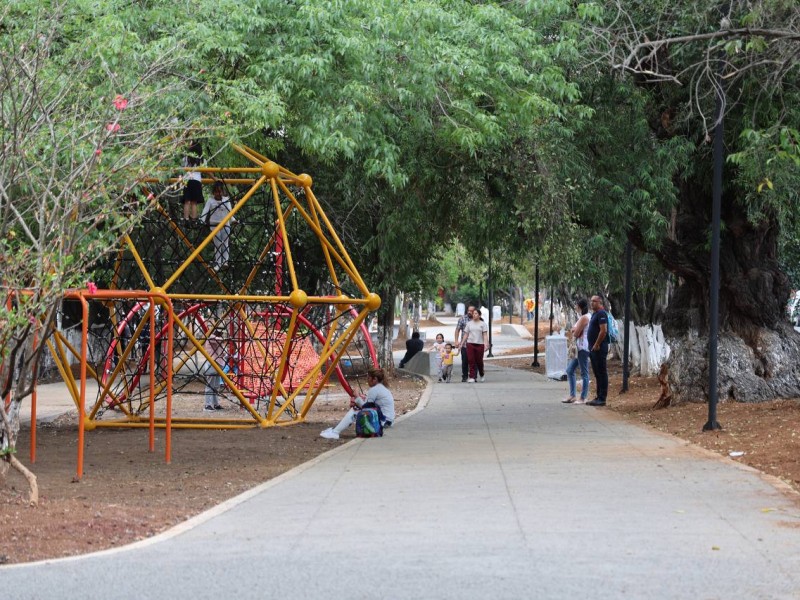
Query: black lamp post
x=716, y=209
x=626, y=369
x=535, y=362
x=490, y=294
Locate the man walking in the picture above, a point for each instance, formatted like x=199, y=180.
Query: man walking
x=460, y=338
x=598, y=345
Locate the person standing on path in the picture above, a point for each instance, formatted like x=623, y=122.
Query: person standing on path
x=580, y=336
x=477, y=333
x=460, y=338
x=598, y=343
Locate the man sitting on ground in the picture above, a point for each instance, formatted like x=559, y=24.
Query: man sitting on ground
x=413, y=346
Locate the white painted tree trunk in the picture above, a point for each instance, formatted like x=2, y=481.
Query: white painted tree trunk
x=633, y=347
x=647, y=350
x=650, y=354
x=662, y=348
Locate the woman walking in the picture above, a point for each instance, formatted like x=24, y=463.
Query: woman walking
x=477, y=343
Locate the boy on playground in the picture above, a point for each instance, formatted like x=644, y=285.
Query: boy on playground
x=447, y=354
x=214, y=212
x=215, y=346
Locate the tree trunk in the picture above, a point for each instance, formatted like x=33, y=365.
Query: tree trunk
x=386, y=331
x=402, y=330
x=758, y=350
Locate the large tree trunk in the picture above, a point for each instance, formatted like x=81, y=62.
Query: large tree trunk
x=758, y=350
x=386, y=329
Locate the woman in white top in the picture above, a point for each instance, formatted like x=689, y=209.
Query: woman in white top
x=477, y=333
x=580, y=333
x=378, y=397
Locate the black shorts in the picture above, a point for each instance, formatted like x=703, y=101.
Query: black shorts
x=193, y=192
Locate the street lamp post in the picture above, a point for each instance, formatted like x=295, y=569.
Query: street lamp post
x=716, y=209
x=626, y=369
x=490, y=294
x=535, y=362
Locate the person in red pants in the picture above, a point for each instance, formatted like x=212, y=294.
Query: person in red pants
x=477, y=332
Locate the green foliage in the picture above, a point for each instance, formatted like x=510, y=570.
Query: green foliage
x=82, y=122
x=398, y=109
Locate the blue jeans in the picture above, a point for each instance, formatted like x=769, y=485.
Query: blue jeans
x=583, y=362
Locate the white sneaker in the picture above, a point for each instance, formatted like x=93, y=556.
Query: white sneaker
x=470, y=380
x=481, y=378
x=329, y=434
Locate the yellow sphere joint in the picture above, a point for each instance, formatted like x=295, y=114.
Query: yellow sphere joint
x=305, y=180
x=270, y=169
x=298, y=298
x=343, y=304
x=88, y=424
x=373, y=301
x=159, y=290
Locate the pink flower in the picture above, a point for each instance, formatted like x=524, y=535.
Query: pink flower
x=98, y=152
x=120, y=103
x=150, y=196
x=112, y=127
x=92, y=287
x=32, y=320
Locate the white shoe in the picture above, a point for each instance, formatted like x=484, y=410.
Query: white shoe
x=329, y=434
x=470, y=380
x=481, y=379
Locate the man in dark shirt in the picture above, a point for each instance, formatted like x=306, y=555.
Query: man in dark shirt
x=598, y=347
x=460, y=336
x=413, y=346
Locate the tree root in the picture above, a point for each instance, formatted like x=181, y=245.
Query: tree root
x=665, y=398
x=32, y=482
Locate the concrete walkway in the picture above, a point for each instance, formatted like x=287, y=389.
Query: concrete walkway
x=495, y=490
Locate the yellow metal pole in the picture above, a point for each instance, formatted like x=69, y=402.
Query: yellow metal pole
x=282, y=225
x=139, y=261
x=342, y=342
x=352, y=268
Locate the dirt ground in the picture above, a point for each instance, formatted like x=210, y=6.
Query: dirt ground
x=128, y=494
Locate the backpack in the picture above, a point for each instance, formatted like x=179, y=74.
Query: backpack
x=613, y=331
x=368, y=423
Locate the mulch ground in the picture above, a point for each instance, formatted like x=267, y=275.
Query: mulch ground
x=128, y=493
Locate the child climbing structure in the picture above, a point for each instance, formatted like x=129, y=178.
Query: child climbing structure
x=262, y=319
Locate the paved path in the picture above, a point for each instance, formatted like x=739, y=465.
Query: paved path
x=496, y=490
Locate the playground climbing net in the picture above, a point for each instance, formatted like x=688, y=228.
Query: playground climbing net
x=264, y=306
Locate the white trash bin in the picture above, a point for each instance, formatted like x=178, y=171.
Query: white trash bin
x=555, y=356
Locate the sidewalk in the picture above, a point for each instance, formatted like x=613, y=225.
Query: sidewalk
x=53, y=400
x=495, y=490
x=501, y=343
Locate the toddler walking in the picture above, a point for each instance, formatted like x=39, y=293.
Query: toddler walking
x=447, y=354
